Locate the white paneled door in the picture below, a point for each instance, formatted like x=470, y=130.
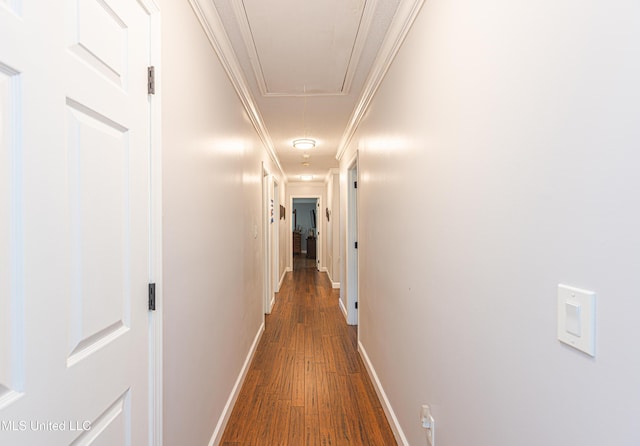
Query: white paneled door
x=75, y=196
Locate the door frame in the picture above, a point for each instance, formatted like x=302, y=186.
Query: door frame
x=155, y=237
x=352, y=288
x=267, y=240
x=319, y=229
x=275, y=239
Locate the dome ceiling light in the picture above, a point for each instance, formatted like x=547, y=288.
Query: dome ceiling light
x=304, y=143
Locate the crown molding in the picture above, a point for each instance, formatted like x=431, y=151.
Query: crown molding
x=405, y=16
x=211, y=23
x=150, y=6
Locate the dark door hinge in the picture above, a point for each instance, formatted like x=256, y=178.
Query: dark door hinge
x=355, y=245
x=151, y=80
x=356, y=305
x=152, y=297
x=355, y=184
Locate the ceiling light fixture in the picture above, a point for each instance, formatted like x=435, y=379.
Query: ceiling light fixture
x=304, y=143
x=306, y=177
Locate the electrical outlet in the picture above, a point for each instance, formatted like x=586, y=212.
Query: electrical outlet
x=428, y=423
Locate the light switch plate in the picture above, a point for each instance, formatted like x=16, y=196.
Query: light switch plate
x=577, y=318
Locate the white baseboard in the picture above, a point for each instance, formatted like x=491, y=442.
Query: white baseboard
x=343, y=308
x=333, y=284
x=386, y=405
x=228, y=408
x=325, y=270
x=284, y=273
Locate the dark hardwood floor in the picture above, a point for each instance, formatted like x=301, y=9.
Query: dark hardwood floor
x=307, y=384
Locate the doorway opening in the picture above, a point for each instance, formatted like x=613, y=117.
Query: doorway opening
x=305, y=232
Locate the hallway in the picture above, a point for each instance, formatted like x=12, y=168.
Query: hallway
x=307, y=384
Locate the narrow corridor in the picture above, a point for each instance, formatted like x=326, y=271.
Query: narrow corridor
x=307, y=384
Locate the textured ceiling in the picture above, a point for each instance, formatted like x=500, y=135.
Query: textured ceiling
x=302, y=47
x=305, y=62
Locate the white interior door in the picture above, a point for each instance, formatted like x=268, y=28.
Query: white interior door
x=75, y=222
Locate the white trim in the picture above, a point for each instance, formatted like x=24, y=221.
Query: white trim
x=351, y=228
x=267, y=280
x=150, y=6
x=274, y=228
x=405, y=15
x=386, y=405
x=325, y=270
x=319, y=236
x=284, y=274
x=366, y=19
x=333, y=171
x=155, y=267
x=212, y=25
x=344, y=310
x=228, y=408
x=333, y=284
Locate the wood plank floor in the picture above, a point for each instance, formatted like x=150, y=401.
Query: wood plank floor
x=307, y=384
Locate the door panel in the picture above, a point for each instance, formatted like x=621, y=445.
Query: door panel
x=110, y=428
x=98, y=154
x=75, y=227
x=99, y=37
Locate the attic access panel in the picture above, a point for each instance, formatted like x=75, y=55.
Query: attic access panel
x=300, y=47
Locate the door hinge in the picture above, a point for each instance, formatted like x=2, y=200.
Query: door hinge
x=355, y=184
x=151, y=80
x=355, y=245
x=356, y=305
x=152, y=297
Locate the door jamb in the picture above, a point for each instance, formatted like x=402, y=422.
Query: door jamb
x=319, y=228
x=352, y=237
x=155, y=384
x=275, y=239
x=266, y=242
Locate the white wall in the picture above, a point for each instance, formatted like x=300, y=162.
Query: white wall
x=212, y=172
x=500, y=158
